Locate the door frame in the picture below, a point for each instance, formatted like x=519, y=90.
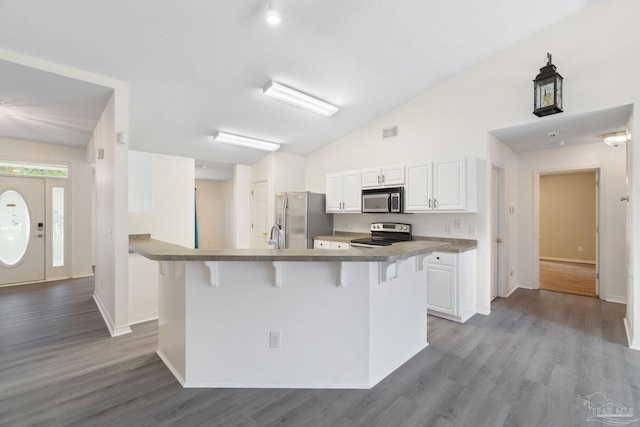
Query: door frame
x=598, y=169
x=501, y=270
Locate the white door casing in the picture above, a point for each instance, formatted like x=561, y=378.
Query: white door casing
x=27, y=266
x=495, y=232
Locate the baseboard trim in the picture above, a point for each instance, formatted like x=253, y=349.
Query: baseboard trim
x=511, y=290
x=143, y=319
x=81, y=275
x=113, y=329
x=171, y=368
x=485, y=310
x=627, y=329
x=577, y=261
x=616, y=299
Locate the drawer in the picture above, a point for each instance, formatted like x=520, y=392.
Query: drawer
x=340, y=245
x=321, y=244
x=443, y=258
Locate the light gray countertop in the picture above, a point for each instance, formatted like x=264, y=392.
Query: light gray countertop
x=163, y=251
x=455, y=245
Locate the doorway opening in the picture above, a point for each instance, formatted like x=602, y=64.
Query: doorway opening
x=568, y=232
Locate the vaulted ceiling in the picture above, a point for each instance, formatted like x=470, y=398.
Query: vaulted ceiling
x=198, y=66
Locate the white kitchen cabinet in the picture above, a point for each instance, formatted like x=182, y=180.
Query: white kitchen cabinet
x=449, y=185
x=344, y=192
x=326, y=244
x=451, y=285
x=390, y=176
x=441, y=186
x=418, y=196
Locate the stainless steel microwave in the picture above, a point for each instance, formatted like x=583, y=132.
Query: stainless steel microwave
x=383, y=200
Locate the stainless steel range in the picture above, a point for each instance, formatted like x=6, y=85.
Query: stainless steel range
x=384, y=234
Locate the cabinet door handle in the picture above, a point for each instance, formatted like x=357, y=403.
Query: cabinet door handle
x=379, y=180
x=429, y=202
x=435, y=203
x=383, y=179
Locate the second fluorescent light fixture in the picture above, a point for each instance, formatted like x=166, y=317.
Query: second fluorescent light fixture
x=299, y=99
x=229, y=138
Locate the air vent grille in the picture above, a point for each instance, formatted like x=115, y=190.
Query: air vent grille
x=390, y=132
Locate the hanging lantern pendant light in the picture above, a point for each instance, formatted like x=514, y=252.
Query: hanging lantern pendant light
x=547, y=90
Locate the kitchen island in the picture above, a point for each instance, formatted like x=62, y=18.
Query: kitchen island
x=289, y=318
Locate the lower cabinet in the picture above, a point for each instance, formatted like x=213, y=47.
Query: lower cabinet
x=451, y=285
x=326, y=244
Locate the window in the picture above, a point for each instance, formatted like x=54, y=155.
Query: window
x=33, y=169
x=14, y=228
x=57, y=227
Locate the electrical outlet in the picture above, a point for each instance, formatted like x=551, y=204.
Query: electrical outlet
x=472, y=231
x=447, y=229
x=580, y=248
x=457, y=224
x=274, y=339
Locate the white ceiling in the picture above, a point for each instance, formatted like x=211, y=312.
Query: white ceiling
x=564, y=131
x=197, y=66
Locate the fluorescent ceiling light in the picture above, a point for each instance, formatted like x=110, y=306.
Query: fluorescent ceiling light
x=273, y=17
x=616, y=138
x=229, y=138
x=292, y=96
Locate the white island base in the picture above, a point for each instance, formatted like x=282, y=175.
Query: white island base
x=341, y=324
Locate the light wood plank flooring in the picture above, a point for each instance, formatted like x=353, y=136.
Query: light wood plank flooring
x=568, y=277
x=527, y=364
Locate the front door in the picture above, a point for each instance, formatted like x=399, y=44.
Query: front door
x=22, y=239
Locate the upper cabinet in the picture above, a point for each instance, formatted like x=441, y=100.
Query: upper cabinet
x=344, y=192
x=391, y=176
x=441, y=186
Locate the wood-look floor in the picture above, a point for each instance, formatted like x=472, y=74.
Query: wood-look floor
x=529, y=363
x=568, y=277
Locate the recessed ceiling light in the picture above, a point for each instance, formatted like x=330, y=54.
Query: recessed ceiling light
x=245, y=141
x=299, y=99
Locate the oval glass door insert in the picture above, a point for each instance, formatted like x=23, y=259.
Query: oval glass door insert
x=14, y=228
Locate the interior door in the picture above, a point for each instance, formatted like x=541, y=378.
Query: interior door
x=22, y=219
x=259, y=215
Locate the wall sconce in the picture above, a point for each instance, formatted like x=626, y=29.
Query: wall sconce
x=547, y=90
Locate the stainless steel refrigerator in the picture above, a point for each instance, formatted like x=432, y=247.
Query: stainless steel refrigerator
x=299, y=217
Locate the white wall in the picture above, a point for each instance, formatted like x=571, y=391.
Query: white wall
x=453, y=119
x=503, y=157
x=172, y=216
x=80, y=203
x=242, y=206
x=169, y=216
x=111, y=222
x=285, y=172
x=613, y=214
x=214, y=205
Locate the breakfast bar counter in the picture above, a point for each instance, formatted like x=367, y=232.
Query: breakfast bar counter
x=289, y=318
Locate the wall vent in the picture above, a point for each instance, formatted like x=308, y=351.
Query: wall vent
x=390, y=132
